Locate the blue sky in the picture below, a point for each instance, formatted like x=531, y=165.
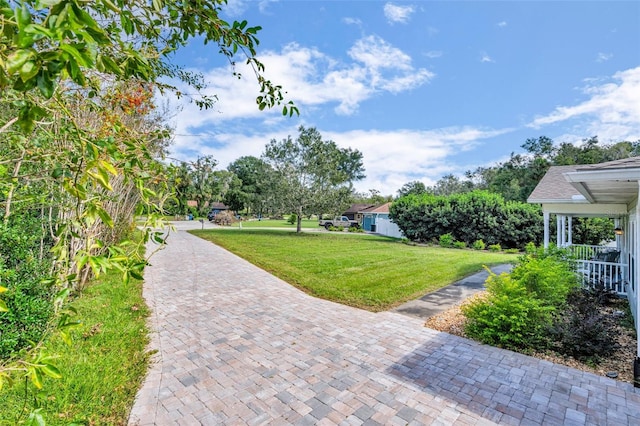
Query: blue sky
x=423, y=88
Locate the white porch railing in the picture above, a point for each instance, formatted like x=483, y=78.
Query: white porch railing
x=586, y=252
x=605, y=275
x=600, y=267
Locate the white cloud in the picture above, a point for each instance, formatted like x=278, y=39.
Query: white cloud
x=484, y=57
x=432, y=54
x=399, y=14
x=263, y=5
x=502, y=24
x=612, y=110
x=352, y=21
x=311, y=79
x=391, y=158
x=235, y=8
x=603, y=57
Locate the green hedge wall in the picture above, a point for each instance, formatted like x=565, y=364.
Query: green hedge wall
x=468, y=217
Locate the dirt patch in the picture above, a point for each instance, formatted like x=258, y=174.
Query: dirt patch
x=619, y=362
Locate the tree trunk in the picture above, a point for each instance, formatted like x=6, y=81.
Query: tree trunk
x=14, y=177
x=299, y=227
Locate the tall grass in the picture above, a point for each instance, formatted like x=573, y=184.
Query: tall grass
x=103, y=368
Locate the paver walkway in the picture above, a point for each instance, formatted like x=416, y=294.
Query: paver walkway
x=440, y=300
x=239, y=346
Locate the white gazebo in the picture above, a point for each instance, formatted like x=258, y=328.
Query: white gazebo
x=612, y=190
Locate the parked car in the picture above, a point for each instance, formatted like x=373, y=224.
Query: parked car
x=343, y=221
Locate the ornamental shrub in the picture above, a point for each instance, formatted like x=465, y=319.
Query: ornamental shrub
x=459, y=244
x=518, y=311
x=581, y=330
x=446, y=240
x=508, y=317
x=478, y=245
x=495, y=247
x=530, y=248
x=546, y=278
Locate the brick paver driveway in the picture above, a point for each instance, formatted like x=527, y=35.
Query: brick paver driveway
x=239, y=346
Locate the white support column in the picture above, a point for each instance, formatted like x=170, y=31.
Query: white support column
x=636, y=271
x=569, y=231
x=545, y=215
x=558, y=230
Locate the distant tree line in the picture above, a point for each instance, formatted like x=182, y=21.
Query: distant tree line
x=302, y=176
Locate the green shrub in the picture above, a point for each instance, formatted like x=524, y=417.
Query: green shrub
x=459, y=244
x=355, y=229
x=21, y=272
x=530, y=248
x=292, y=219
x=478, y=245
x=30, y=309
x=518, y=312
x=446, y=240
x=495, y=247
x=512, y=251
x=508, y=317
x=468, y=217
x=548, y=278
x=581, y=330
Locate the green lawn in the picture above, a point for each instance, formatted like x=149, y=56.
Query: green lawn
x=282, y=223
x=370, y=272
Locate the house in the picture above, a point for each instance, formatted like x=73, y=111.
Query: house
x=371, y=215
x=612, y=190
x=353, y=212
x=376, y=219
x=215, y=208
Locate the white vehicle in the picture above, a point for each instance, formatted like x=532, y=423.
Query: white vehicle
x=337, y=221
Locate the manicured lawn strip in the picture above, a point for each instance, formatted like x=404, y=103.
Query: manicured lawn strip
x=275, y=223
x=104, y=367
x=370, y=272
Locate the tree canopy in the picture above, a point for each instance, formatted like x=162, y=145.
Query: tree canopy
x=312, y=175
x=414, y=187
x=256, y=178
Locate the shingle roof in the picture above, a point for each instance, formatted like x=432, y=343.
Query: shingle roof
x=384, y=208
x=218, y=205
x=356, y=208
x=625, y=163
x=553, y=187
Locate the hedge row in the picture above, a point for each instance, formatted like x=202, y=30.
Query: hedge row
x=468, y=217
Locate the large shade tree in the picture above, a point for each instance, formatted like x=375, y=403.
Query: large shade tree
x=256, y=176
x=313, y=175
